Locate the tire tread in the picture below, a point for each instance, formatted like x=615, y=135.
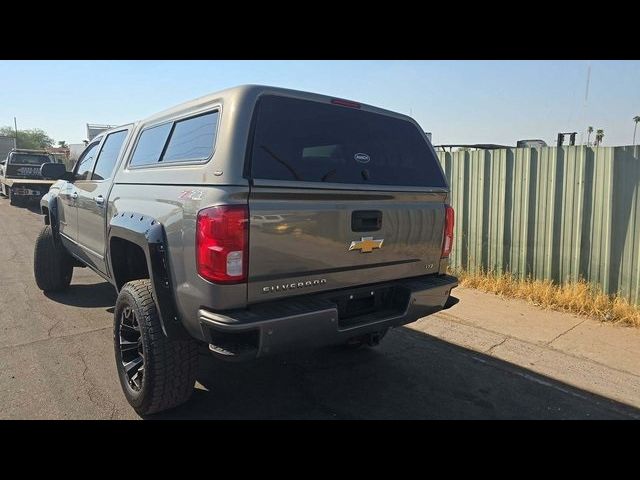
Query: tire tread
x=52, y=265
x=170, y=365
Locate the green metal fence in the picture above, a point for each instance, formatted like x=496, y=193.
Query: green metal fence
x=549, y=213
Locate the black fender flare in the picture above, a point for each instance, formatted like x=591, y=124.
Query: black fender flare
x=51, y=217
x=148, y=233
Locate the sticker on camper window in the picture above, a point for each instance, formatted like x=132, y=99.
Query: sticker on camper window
x=362, y=157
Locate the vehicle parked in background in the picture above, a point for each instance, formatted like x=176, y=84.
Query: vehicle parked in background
x=253, y=220
x=20, y=178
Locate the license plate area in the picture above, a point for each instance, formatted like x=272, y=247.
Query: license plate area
x=370, y=304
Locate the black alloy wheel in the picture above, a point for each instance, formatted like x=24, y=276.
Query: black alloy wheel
x=131, y=348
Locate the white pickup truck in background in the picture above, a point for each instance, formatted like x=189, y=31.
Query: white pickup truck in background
x=20, y=178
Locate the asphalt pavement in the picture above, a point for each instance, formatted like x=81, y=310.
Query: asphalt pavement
x=57, y=362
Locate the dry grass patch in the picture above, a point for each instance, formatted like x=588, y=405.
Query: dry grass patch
x=578, y=297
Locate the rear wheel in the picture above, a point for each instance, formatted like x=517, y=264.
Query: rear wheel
x=52, y=265
x=156, y=373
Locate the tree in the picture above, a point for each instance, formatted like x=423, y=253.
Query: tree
x=34, y=138
x=589, y=132
x=636, y=119
x=599, y=136
x=62, y=144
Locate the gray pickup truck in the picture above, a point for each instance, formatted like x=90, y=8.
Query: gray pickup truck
x=255, y=220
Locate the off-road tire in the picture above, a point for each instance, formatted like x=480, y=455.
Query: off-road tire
x=52, y=265
x=169, y=365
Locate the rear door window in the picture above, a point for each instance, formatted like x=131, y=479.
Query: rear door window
x=302, y=140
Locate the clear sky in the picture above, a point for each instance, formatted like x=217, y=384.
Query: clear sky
x=458, y=101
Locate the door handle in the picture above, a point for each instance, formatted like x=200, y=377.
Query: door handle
x=366, y=221
x=99, y=200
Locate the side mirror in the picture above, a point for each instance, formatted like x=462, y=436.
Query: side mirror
x=54, y=171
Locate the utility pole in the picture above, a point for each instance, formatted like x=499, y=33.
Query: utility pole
x=586, y=100
x=15, y=140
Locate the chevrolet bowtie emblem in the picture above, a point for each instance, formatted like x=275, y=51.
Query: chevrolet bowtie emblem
x=366, y=244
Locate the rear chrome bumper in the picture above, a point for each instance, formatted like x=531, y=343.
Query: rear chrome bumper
x=315, y=320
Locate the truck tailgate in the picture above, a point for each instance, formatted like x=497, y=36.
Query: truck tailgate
x=328, y=239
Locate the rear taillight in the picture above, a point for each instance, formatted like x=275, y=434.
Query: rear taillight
x=222, y=243
x=447, y=242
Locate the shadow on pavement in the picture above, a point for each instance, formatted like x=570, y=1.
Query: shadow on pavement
x=33, y=207
x=86, y=295
x=411, y=375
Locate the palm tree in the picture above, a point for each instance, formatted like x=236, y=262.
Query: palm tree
x=599, y=136
x=589, y=132
x=636, y=119
x=62, y=144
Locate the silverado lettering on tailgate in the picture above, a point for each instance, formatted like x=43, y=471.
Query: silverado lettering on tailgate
x=293, y=285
